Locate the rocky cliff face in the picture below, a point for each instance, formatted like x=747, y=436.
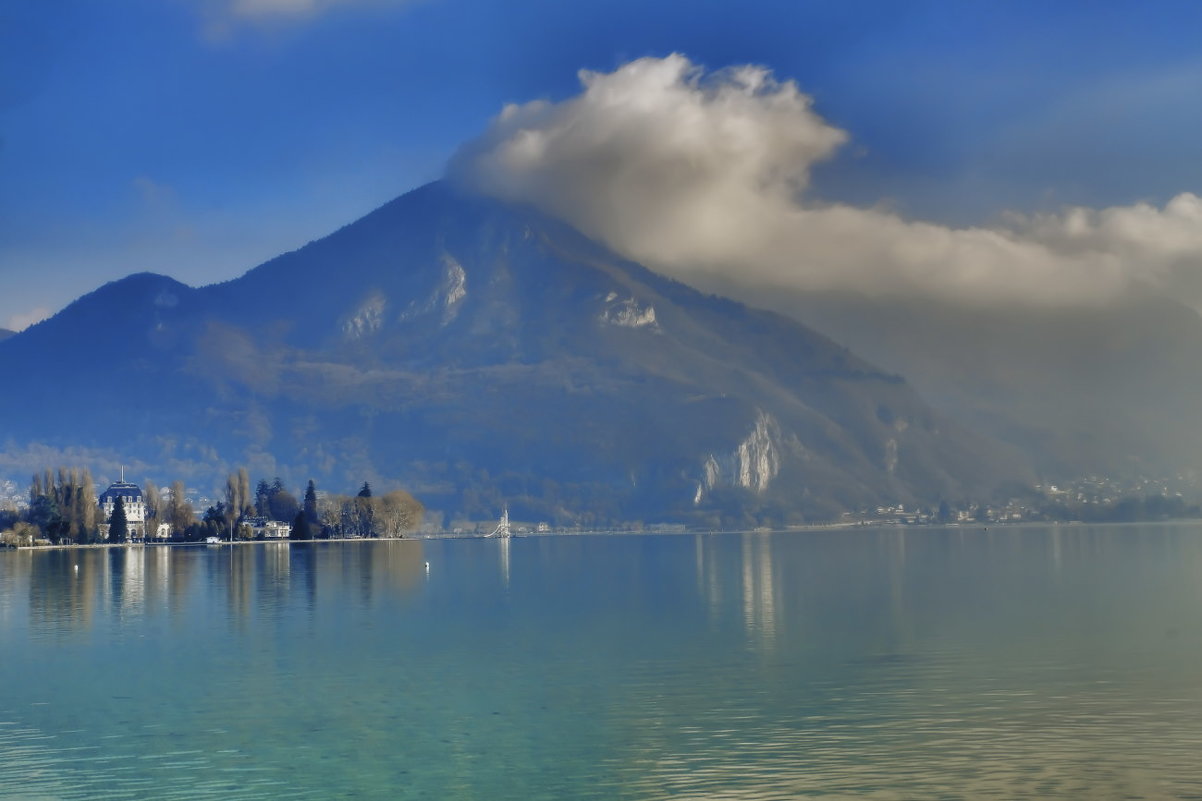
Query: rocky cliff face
x=478, y=354
x=752, y=465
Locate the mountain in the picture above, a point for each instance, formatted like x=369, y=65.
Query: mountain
x=480, y=353
x=5, y=334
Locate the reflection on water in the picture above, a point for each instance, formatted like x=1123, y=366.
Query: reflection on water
x=503, y=545
x=1012, y=663
x=759, y=601
x=66, y=588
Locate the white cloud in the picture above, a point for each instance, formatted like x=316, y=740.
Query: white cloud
x=705, y=177
x=19, y=322
x=282, y=8
x=222, y=17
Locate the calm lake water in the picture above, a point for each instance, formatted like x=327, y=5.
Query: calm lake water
x=1009, y=663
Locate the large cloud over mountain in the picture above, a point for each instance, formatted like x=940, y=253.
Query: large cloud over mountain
x=705, y=176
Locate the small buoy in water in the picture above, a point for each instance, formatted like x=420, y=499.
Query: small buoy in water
x=427, y=567
x=77, y=567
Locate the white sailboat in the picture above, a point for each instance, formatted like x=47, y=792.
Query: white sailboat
x=502, y=529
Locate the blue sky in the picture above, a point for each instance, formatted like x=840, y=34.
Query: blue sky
x=197, y=138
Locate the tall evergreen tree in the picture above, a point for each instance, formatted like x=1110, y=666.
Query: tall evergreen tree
x=118, y=525
x=311, y=502
x=262, y=498
x=366, y=491
x=214, y=515
x=47, y=516
x=300, y=528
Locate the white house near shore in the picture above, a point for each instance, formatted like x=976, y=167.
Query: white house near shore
x=273, y=530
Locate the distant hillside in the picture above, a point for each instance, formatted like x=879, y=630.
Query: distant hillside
x=482, y=354
x=5, y=334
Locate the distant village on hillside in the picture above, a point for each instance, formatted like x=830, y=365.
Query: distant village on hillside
x=1096, y=499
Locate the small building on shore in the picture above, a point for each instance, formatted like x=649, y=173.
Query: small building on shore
x=273, y=530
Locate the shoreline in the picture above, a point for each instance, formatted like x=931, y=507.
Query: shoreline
x=799, y=529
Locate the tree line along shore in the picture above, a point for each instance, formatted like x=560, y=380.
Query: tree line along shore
x=64, y=509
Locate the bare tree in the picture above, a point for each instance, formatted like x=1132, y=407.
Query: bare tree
x=154, y=504
x=396, y=513
x=62, y=491
x=71, y=497
x=86, y=507
x=63, y=504
x=329, y=510
x=247, y=507
x=363, y=513
x=179, y=512
x=233, y=502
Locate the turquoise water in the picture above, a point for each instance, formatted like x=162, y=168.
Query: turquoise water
x=1012, y=663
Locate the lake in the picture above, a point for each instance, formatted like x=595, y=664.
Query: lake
x=1050, y=662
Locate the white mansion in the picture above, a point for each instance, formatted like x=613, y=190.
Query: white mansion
x=135, y=510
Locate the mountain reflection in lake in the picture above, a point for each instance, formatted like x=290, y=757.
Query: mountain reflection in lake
x=1037, y=663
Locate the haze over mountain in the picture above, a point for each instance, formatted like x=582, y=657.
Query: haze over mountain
x=478, y=353
x=1110, y=390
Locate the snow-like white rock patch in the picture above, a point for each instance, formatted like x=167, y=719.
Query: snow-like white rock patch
x=446, y=298
x=628, y=313
x=367, y=317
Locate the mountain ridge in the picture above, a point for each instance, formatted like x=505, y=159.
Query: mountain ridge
x=481, y=353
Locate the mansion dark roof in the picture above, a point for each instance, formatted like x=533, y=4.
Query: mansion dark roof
x=122, y=488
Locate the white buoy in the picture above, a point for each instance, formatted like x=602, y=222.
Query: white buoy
x=427, y=567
